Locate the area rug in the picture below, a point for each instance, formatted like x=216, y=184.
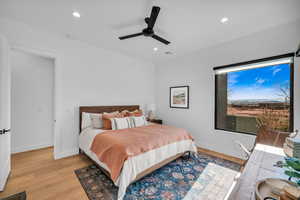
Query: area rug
x=18, y=196
x=198, y=176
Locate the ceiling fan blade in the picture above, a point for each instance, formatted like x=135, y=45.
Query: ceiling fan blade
x=153, y=16
x=130, y=36
x=161, y=39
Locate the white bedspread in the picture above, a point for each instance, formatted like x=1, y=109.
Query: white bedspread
x=134, y=165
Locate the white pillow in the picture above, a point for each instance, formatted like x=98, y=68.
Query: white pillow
x=139, y=121
x=120, y=123
x=115, y=112
x=93, y=120
x=86, y=121
x=96, y=120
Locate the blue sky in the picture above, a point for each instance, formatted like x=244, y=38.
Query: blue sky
x=259, y=83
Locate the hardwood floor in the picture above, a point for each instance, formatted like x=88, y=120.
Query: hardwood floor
x=45, y=178
x=221, y=155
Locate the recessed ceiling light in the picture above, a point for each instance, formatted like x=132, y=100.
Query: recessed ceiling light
x=76, y=14
x=155, y=49
x=224, y=20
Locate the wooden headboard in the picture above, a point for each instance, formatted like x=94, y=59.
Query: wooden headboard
x=102, y=109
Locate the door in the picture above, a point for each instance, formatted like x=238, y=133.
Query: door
x=4, y=112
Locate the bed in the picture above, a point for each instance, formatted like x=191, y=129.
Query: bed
x=135, y=167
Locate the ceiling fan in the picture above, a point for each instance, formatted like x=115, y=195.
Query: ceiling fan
x=148, y=31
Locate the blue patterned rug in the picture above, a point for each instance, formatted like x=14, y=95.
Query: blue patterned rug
x=189, y=177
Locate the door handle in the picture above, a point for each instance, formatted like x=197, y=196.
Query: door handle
x=3, y=131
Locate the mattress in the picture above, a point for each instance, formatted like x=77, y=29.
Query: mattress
x=85, y=142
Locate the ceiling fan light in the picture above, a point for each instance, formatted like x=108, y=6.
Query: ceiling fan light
x=76, y=14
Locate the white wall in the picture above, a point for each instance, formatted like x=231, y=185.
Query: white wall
x=196, y=70
x=32, y=101
x=85, y=75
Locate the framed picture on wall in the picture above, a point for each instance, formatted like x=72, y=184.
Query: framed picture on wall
x=179, y=97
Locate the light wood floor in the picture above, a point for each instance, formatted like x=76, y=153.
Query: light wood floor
x=45, y=178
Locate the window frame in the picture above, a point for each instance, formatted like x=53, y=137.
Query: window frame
x=291, y=55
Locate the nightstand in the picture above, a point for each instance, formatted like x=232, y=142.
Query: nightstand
x=156, y=121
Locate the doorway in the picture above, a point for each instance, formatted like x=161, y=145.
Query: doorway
x=32, y=101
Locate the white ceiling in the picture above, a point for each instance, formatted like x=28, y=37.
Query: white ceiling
x=189, y=25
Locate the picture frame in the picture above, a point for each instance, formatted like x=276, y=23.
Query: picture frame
x=179, y=97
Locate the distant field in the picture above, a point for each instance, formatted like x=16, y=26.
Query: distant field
x=255, y=112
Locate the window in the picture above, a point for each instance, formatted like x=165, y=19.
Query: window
x=254, y=94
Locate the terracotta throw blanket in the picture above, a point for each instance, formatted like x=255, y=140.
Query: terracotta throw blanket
x=114, y=147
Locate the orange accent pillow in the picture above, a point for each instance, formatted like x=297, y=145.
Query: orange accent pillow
x=136, y=113
x=106, y=119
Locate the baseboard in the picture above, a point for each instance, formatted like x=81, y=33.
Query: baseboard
x=30, y=148
x=221, y=155
x=64, y=154
x=4, y=173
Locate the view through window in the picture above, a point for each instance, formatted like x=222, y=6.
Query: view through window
x=253, y=95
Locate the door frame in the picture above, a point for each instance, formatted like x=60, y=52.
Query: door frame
x=6, y=167
x=51, y=55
